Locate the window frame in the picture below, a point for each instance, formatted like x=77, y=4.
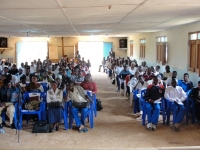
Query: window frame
x=194, y=53
x=161, y=50
x=142, y=48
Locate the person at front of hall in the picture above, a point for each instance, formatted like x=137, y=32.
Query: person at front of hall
x=153, y=96
x=112, y=54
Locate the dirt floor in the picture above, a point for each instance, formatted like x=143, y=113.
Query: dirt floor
x=115, y=128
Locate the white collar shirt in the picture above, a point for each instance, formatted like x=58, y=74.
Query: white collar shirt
x=175, y=94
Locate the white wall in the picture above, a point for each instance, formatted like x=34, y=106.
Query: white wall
x=178, y=49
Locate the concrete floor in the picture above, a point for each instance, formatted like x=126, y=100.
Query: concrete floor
x=115, y=128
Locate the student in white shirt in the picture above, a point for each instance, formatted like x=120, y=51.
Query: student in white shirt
x=169, y=80
x=176, y=95
x=55, y=113
x=132, y=69
x=167, y=74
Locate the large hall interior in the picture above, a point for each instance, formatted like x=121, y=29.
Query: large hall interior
x=144, y=43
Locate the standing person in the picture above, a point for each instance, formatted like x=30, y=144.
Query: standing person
x=78, y=56
x=88, y=64
x=112, y=54
x=103, y=63
x=55, y=113
x=176, y=95
x=77, y=94
x=153, y=96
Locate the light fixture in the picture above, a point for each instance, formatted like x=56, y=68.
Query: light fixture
x=27, y=34
x=106, y=35
x=48, y=38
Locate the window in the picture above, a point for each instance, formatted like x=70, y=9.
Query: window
x=194, y=52
x=142, y=48
x=161, y=50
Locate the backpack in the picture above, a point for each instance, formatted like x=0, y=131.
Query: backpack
x=41, y=127
x=98, y=104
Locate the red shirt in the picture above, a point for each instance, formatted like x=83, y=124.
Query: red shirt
x=148, y=77
x=91, y=86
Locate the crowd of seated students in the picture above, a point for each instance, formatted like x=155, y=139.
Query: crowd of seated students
x=158, y=86
x=62, y=78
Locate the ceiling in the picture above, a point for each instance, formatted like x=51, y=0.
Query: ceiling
x=43, y=18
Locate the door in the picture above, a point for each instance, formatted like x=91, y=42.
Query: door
x=106, y=48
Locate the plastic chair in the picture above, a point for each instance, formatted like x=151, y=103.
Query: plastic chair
x=189, y=108
x=32, y=112
x=65, y=115
x=168, y=110
x=136, y=108
x=143, y=106
x=45, y=86
x=92, y=96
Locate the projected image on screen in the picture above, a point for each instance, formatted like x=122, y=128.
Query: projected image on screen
x=29, y=51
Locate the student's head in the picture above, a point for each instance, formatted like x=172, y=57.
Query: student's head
x=133, y=64
x=63, y=72
x=54, y=85
x=157, y=68
x=27, y=70
x=34, y=79
x=173, y=83
x=23, y=79
x=4, y=77
x=7, y=83
x=20, y=70
x=149, y=71
x=137, y=74
x=199, y=85
x=14, y=67
x=186, y=77
x=152, y=69
x=70, y=85
x=5, y=69
x=155, y=80
x=125, y=67
x=167, y=68
x=174, y=74
x=45, y=74
x=88, y=77
x=22, y=65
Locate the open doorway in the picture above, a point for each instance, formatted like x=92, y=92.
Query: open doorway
x=92, y=51
x=29, y=51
